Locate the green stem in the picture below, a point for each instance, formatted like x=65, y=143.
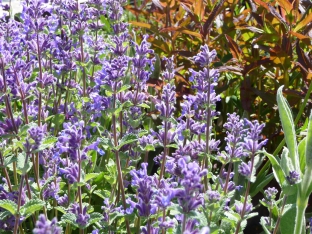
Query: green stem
x=119, y=170
x=280, y=215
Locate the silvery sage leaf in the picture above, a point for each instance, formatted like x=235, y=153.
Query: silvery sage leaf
x=277, y=170
x=307, y=179
x=302, y=154
x=288, y=127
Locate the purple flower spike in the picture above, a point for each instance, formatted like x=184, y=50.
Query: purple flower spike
x=189, y=197
x=166, y=106
x=205, y=57
x=269, y=196
x=170, y=70
x=293, y=177
x=252, y=143
x=213, y=196
x=70, y=173
x=36, y=134
x=270, y=193
x=83, y=217
x=44, y=226
x=245, y=169
x=239, y=207
x=145, y=191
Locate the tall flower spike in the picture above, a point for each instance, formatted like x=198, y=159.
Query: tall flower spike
x=145, y=185
x=170, y=70
x=253, y=141
x=189, y=197
x=205, y=57
x=44, y=226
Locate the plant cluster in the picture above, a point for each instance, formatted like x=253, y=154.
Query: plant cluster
x=91, y=143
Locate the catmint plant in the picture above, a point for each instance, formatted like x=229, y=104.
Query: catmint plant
x=90, y=145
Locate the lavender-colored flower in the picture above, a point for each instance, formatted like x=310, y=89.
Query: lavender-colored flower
x=245, y=169
x=213, y=196
x=235, y=134
x=52, y=189
x=189, y=196
x=44, y=226
x=63, y=201
x=46, y=79
x=239, y=207
x=169, y=73
x=205, y=57
x=269, y=196
x=70, y=173
x=36, y=135
x=147, y=140
x=293, y=177
x=8, y=127
x=70, y=139
x=150, y=230
x=145, y=191
x=270, y=193
x=83, y=217
x=140, y=62
x=190, y=228
x=252, y=143
x=164, y=194
x=161, y=135
x=168, y=99
x=167, y=223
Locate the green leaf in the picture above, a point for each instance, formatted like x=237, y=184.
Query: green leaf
x=250, y=215
x=200, y=216
x=123, y=88
x=31, y=207
x=60, y=209
x=232, y=216
x=288, y=128
x=308, y=149
x=157, y=68
x=149, y=148
x=172, y=146
x=94, y=217
x=277, y=170
x=69, y=218
x=48, y=142
x=9, y=206
x=307, y=179
x=286, y=163
x=8, y=161
x=302, y=154
x=288, y=218
x=4, y=214
x=90, y=176
x=144, y=105
x=127, y=139
x=58, y=119
x=102, y=193
x=22, y=166
x=23, y=130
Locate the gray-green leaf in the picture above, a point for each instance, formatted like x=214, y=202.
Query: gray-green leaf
x=9, y=206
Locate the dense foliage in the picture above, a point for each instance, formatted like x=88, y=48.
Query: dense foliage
x=123, y=117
